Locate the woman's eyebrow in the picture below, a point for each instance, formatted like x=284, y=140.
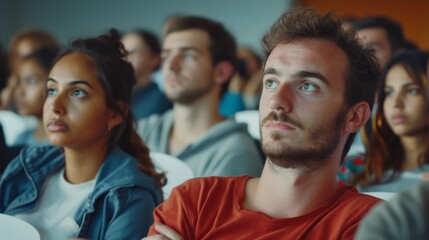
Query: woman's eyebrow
x=76, y=82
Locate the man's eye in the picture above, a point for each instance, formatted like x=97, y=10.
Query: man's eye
x=270, y=84
x=188, y=56
x=308, y=87
x=52, y=91
x=164, y=57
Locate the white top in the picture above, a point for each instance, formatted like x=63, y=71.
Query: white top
x=57, y=206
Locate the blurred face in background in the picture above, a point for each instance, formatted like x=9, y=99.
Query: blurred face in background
x=30, y=92
x=187, y=65
x=23, y=48
x=141, y=57
x=251, y=62
x=404, y=104
x=377, y=39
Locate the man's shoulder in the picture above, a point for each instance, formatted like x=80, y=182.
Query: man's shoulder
x=350, y=198
x=347, y=210
x=352, y=193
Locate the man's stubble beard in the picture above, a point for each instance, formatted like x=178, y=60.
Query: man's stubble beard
x=188, y=96
x=309, y=152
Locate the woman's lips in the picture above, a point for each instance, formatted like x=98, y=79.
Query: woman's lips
x=57, y=126
x=398, y=119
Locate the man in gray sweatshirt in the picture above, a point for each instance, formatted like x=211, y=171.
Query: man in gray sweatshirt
x=198, y=61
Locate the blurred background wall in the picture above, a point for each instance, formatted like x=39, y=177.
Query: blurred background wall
x=413, y=15
x=248, y=20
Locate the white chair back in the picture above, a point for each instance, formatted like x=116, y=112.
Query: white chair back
x=386, y=196
x=15, y=228
x=251, y=117
x=14, y=124
x=174, y=169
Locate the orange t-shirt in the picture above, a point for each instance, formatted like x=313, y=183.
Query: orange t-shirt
x=211, y=208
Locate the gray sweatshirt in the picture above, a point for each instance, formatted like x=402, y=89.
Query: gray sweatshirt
x=226, y=149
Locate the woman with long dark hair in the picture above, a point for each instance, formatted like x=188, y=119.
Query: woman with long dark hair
x=398, y=149
x=98, y=181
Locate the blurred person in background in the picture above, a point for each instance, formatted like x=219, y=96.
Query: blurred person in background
x=398, y=151
x=144, y=52
x=382, y=34
x=385, y=36
x=404, y=217
x=348, y=22
x=199, y=58
x=245, y=87
x=252, y=89
x=3, y=68
x=157, y=76
x=30, y=93
x=22, y=45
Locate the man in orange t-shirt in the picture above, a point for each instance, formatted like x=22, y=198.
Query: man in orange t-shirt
x=319, y=86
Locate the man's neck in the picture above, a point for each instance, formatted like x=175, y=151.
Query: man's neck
x=191, y=122
x=286, y=193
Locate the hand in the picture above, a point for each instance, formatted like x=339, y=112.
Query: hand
x=254, y=85
x=236, y=83
x=166, y=233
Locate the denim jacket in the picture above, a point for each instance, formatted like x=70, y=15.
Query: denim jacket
x=119, y=207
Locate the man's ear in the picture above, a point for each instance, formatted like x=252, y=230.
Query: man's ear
x=223, y=71
x=116, y=118
x=357, y=116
